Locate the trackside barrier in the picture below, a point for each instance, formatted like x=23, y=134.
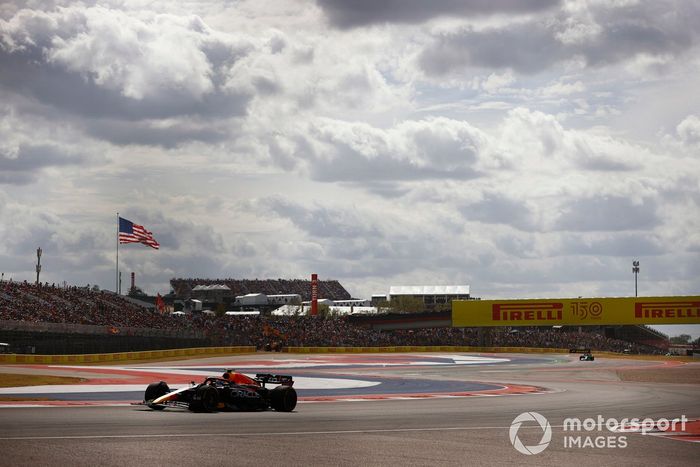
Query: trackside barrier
x=421, y=348
x=122, y=356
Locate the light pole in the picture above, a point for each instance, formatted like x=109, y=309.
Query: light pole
x=635, y=270
x=38, y=264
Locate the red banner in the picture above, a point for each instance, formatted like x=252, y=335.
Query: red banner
x=314, y=294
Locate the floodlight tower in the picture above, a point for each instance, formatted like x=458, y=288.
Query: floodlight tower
x=38, y=264
x=635, y=270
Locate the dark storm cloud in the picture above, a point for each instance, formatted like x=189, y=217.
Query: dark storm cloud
x=608, y=213
x=346, y=14
x=23, y=167
x=651, y=28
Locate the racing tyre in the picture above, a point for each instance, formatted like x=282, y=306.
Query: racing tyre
x=283, y=398
x=205, y=399
x=154, y=391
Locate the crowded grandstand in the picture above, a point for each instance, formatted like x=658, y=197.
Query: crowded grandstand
x=45, y=318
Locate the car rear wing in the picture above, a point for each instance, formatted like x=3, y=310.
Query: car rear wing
x=265, y=378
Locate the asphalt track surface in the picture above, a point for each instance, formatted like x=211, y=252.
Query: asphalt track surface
x=406, y=431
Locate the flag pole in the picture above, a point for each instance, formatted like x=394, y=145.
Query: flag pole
x=116, y=286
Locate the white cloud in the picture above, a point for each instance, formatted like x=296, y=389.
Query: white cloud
x=496, y=81
x=513, y=147
x=689, y=130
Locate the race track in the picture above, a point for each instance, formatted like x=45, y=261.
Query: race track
x=413, y=427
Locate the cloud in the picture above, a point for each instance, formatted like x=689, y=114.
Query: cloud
x=99, y=61
x=523, y=48
x=615, y=34
x=168, y=134
x=345, y=15
x=523, y=158
x=427, y=149
x=536, y=140
x=689, y=130
x=322, y=222
x=609, y=213
x=496, y=208
x=21, y=166
x=607, y=244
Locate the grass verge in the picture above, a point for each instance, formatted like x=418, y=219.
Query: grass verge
x=9, y=380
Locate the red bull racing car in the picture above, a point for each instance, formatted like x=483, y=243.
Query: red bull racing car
x=231, y=392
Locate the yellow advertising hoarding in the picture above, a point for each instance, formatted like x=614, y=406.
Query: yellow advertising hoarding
x=576, y=311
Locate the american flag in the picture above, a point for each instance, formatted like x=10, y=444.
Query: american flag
x=134, y=233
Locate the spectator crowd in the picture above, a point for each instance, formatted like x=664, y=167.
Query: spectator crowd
x=53, y=304
x=21, y=301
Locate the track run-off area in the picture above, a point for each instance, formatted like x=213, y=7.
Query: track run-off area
x=367, y=409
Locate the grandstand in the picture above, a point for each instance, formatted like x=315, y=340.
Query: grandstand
x=48, y=319
x=191, y=288
x=431, y=295
x=21, y=301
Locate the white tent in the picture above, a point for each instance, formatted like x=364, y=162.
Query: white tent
x=251, y=299
x=243, y=313
x=289, y=310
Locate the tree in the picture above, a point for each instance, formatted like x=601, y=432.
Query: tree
x=136, y=292
x=383, y=306
x=682, y=339
x=406, y=304
x=324, y=311
x=443, y=307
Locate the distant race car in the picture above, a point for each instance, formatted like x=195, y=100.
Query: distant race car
x=587, y=357
x=231, y=392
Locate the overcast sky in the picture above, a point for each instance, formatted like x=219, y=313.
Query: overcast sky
x=527, y=148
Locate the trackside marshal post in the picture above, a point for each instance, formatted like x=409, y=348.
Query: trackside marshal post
x=576, y=311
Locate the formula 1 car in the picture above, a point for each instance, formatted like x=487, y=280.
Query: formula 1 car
x=587, y=357
x=230, y=392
